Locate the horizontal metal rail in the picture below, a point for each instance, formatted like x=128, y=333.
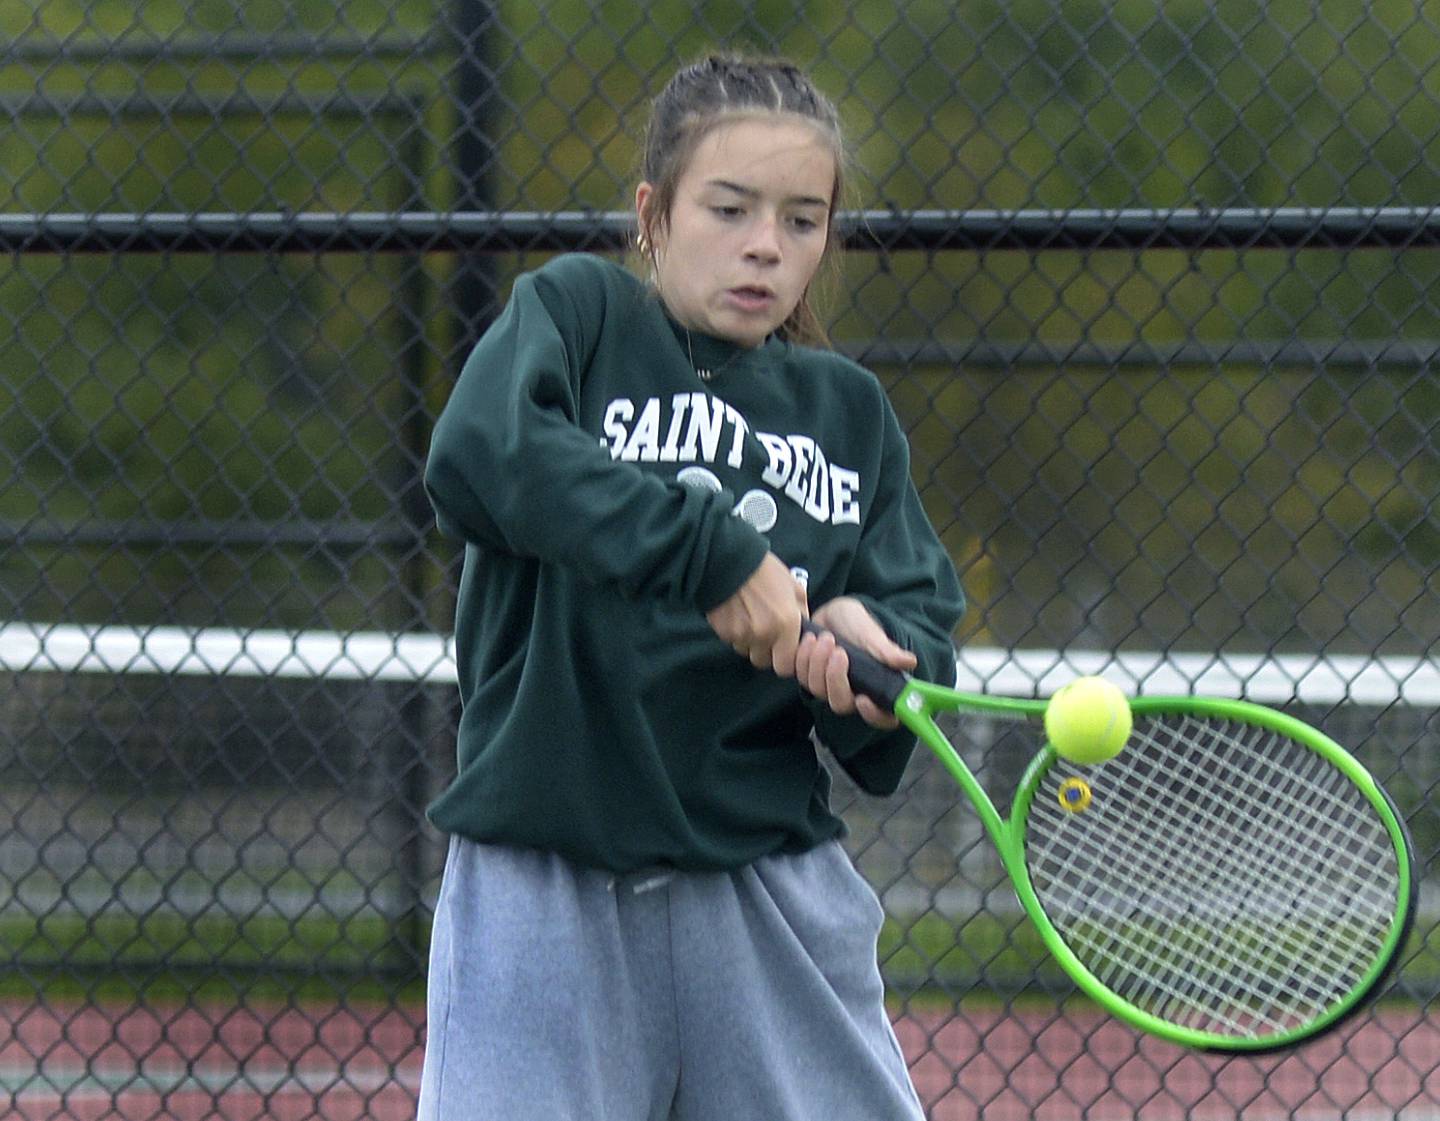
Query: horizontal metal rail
x=1341, y=228
x=429, y=658
x=52, y=51
x=291, y=533
x=1297, y=353
x=237, y=103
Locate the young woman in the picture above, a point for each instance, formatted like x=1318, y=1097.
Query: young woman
x=646, y=912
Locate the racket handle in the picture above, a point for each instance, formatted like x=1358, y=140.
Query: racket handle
x=868, y=675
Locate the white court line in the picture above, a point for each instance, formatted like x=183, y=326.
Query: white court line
x=430, y=659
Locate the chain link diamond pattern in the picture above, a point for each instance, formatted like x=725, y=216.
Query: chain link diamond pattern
x=239, y=285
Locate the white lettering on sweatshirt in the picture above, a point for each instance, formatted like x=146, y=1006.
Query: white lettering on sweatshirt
x=699, y=428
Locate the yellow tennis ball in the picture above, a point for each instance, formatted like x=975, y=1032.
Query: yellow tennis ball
x=1088, y=720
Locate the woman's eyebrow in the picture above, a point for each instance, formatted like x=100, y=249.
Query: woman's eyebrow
x=752, y=193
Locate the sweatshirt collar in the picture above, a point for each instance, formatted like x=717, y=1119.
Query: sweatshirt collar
x=713, y=357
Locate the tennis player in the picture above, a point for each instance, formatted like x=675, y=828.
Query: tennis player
x=646, y=912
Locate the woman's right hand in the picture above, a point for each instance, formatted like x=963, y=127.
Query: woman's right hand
x=761, y=621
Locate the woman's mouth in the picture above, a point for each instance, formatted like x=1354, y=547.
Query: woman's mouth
x=751, y=297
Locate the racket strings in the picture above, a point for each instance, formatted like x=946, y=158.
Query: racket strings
x=1282, y=805
x=1184, y=967
x=1228, y=904
x=1224, y=878
x=1232, y=895
x=1185, y=978
x=1193, y=961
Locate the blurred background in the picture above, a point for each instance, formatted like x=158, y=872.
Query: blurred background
x=1152, y=287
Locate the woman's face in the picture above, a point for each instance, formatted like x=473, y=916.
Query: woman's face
x=747, y=228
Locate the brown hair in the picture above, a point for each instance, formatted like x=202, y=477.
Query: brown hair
x=712, y=92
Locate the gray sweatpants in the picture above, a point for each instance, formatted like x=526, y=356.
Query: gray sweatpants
x=559, y=993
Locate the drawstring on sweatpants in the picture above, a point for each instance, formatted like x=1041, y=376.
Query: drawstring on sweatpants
x=647, y=881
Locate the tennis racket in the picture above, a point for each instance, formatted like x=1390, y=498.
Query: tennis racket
x=1233, y=880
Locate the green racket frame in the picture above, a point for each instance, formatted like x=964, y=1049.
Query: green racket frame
x=919, y=702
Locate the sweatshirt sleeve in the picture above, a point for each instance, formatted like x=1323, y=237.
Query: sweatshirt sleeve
x=510, y=467
x=904, y=576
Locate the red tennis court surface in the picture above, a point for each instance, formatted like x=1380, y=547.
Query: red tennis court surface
x=252, y=1063
x=1047, y=1067
x=87, y=1063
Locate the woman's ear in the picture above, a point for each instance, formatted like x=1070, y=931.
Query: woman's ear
x=645, y=222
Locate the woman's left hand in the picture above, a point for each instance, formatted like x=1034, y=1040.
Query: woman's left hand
x=821, y=666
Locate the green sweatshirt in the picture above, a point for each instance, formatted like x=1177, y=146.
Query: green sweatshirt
x=613, y=478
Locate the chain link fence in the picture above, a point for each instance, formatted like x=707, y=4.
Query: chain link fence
x=1152, y=287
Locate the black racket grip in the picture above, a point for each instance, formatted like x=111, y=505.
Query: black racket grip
x=868, y=676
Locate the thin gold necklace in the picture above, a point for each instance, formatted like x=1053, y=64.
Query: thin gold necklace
x=707, y=375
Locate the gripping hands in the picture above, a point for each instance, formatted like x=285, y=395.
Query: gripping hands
x=762, y=622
